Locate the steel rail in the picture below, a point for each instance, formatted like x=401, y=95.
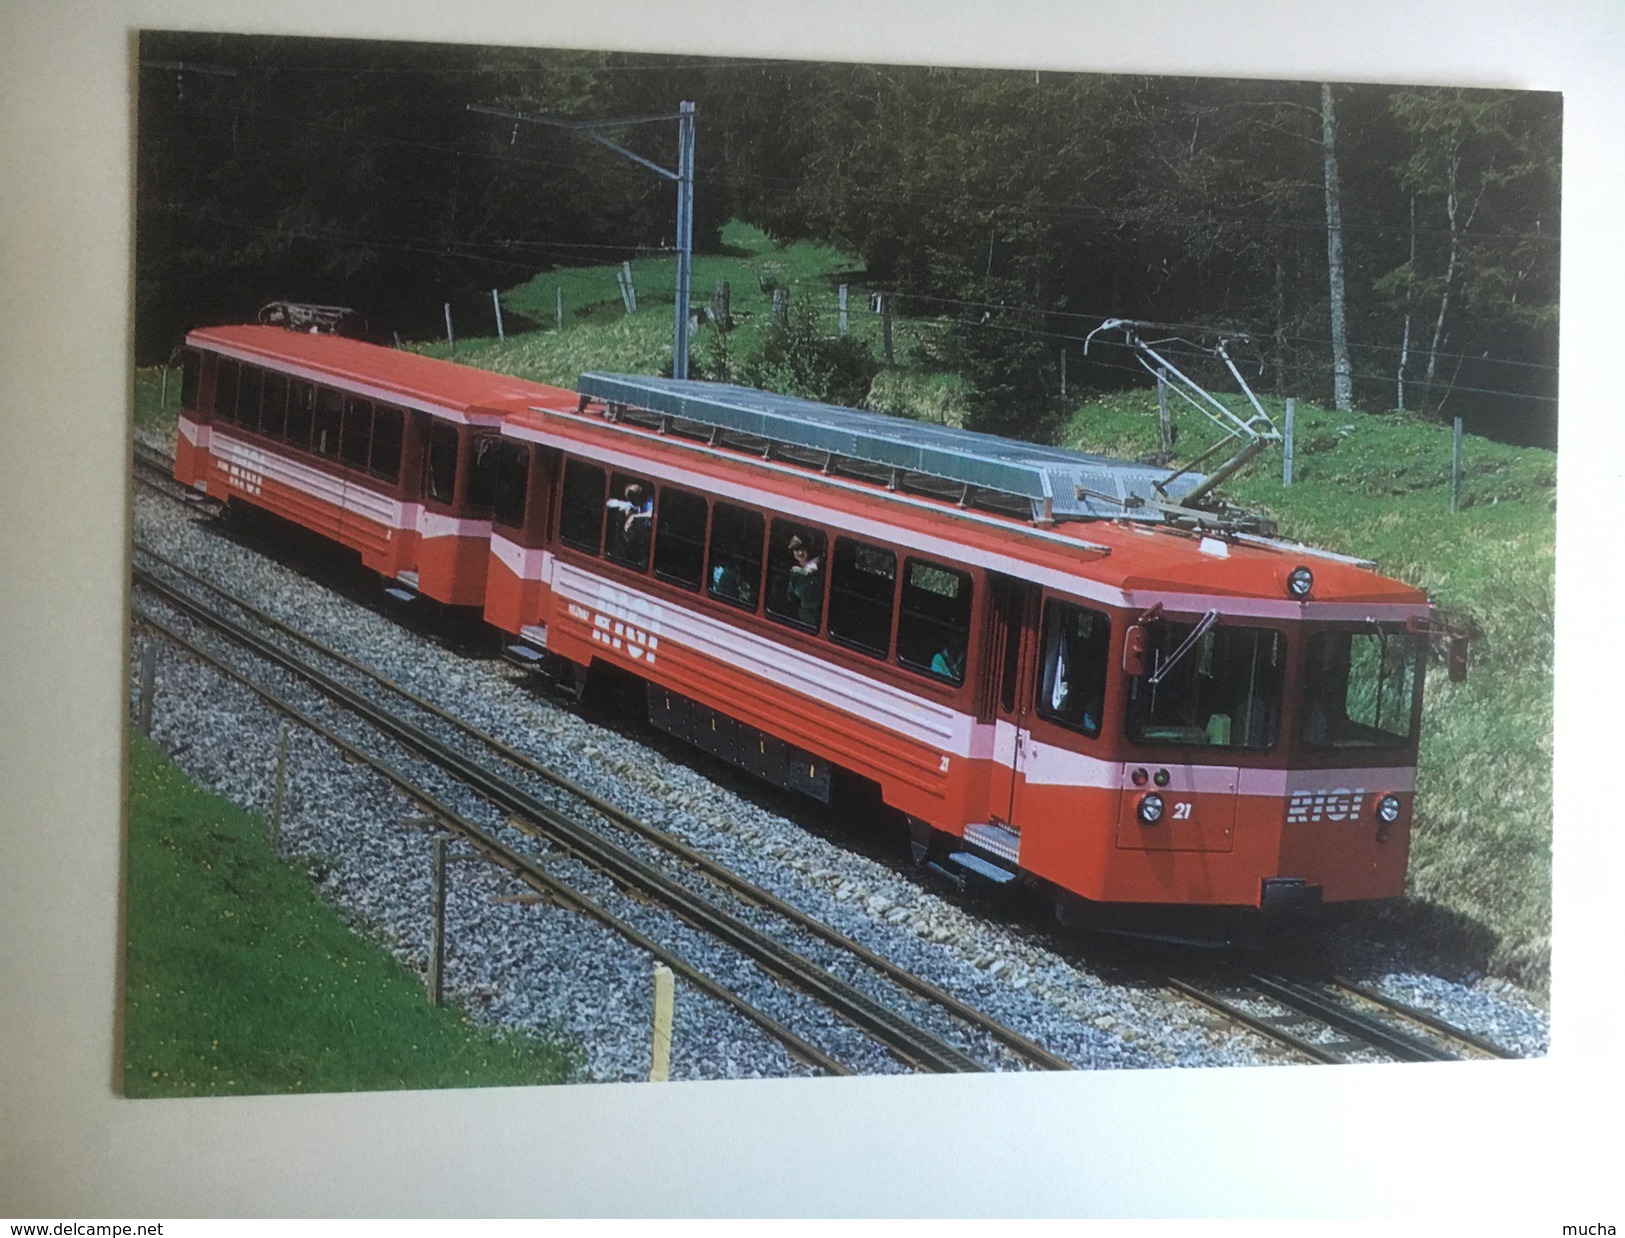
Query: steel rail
x=1372, y=1031
x=1426, y=1018
x=1021, y=1045
x=912, y=1044
x=1214, y=1002
x=528, y=871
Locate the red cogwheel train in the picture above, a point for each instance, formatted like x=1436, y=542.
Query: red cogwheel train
x=1058, y=673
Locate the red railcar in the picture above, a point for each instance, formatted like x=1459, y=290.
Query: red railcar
x=374, y=448
x=1055, y=671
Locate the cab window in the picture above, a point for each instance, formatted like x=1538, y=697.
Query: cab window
x=1072, y=672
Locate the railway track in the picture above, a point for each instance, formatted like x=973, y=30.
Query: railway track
x=1325, y=1021
x=535, y=800
x=156, y=471
x=1334, y=1021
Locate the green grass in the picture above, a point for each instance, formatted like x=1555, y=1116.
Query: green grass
x=1379, y=487
x=599, y=334
x=239, y=980
x=149, y=387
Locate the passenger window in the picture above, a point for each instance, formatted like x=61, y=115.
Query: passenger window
x=795, y=574
x=225, y=389
x=862, y=593
x=274, y=406
x=1072, y=673
x=736, y=554
x=189, y=377
x=581, y=519
x=440, y=464
x=357, y=442
x=248, y=397
x=329, y=416
x=497, y=485
x=629, y=524
x=301, y=398
x=386, y=442
x=680, y=539
x=933, y=632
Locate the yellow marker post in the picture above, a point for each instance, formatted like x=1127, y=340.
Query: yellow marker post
x=660, y=1064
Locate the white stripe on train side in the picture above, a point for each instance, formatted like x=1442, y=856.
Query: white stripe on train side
x=353, y=497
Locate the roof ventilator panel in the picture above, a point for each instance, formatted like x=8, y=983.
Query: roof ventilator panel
x=958, y=465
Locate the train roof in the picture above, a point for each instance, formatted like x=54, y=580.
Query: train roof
x=1059, y=483
x=391, y=373
x=1138, y=559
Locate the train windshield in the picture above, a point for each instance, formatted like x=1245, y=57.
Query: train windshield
x=1362, y=688
x=1217, y=688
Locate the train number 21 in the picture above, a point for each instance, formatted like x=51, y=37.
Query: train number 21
x=1182, y=811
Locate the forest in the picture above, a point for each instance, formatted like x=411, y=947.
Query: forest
x=1381, y=248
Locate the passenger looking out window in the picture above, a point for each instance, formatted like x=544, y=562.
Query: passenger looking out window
x=795, y=575
x=630, y=520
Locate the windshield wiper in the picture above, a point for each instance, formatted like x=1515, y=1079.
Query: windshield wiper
x=1197, y=633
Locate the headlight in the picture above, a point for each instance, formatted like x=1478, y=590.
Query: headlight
x=1300, y=582
x=1150, y=808
x=1388, y=809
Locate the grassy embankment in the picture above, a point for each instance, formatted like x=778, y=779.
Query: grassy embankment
x=238, y=980
x=1375, y=486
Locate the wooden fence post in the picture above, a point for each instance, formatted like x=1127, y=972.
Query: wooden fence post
x=841, y=293
x=149, y=674
x=279, y=789
x=1165, y=426
x=451, y=342
x=660, y=1057
x=559, y=294
x=1455, y=466
x=496, y=304
x=629, y=292
x=885, y=329
x=1286, y=443
x=437, y=927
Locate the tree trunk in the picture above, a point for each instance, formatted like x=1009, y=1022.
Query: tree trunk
x=1452, y=163
x=1405, y=341
x=1342, y=373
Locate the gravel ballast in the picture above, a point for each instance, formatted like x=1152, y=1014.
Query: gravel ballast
x=521, y=961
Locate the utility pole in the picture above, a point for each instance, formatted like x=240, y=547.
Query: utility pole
x=684, y=176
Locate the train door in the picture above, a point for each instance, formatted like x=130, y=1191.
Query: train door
x=1066, y=792
x=1011, y=619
